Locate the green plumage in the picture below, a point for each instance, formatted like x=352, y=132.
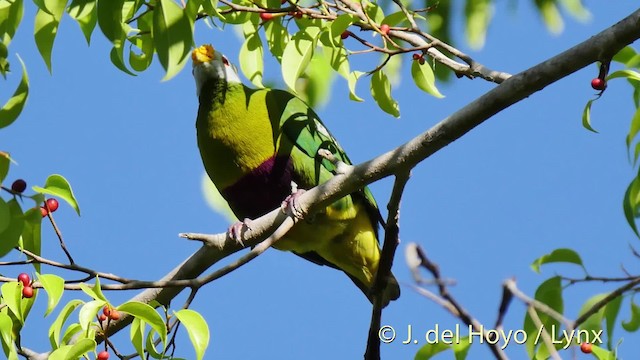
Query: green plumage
x=254, y=143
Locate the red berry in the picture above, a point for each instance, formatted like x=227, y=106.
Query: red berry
x=345, y=34
x=421, y=60
x=19, y=186
x=266, y=16
x=24, y=279
x=43, y=211
x=384, y=28
x=585, y=347
x=417, y=56
x=296, y=14
x=598, y=84
x=115, y=315
x=52, y=204
x=102, y=317
x=27, y=292
x=103, y=355
x=106, y=311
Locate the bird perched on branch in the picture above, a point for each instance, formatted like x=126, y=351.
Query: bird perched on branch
x=260, y=146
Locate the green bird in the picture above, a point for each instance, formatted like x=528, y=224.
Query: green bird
x=258, y=146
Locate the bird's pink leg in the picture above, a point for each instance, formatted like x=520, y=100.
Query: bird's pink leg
x=290, y=204
x=236, y=230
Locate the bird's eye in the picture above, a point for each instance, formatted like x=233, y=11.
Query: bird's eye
x=225, y=61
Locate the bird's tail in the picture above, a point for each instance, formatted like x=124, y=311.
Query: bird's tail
x=391, y=291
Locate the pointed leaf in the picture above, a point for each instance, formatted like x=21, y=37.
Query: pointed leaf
x=6, y=334
x=11, y=234
x=558, y=255
x=12, y=294
x=381, y=92
x=148, y=314
x=586, y=116
x=461, y=348
x=551, y=15
x=32, y=233
x=424, y=78
x=277, y=38
x=45, y=30
x=136, y=334
x=197, y=329
x=633, y=324
x=13, y=107
x=297, y=55
x=54, y=286
x=428, y=351
x=110, y=19
x=56, y=326
x=251, y=55
x=57, y=185
x=88, y=313
x=478, y=14
x=173, y=36
x=85, y=12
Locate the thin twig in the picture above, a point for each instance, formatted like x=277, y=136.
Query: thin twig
x=58, y=233
x=391, y=241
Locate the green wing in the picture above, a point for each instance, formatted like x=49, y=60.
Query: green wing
x=302, y=127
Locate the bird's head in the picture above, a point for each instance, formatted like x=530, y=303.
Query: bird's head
x=209, y=64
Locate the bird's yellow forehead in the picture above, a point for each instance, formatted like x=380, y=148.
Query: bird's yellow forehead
x=202, y=54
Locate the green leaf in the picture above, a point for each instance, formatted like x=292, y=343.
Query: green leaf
x=551, y=15
x=148, y=314
x=374, y=11
x=5, y=215
x=424, y=78
x=110, y=19
x=85, y=12
x=136, y=333
x=5, y=161
x=140, y=62
x=340, y=63
x=150, y=346
x=628, y=57
x=6, y=334
x=630, y=204
x=32, y=233
x=45, y=30
x=315, y=84
x=197, y=329
x=57, y=185
x=13, y=107
x=277, y=38
x=74, y=351
x=628, y=74
x=611, y=311
x=575, y=8
x=381, y=92
x=602, y=354
x=173, y=35
x=633, y=131
x=88, y=313
x=54, y=286
x=251, y=55
x=297, y=55
x=549, y=293
x=10, y=18
x=117, y=58
x=396, y=19
x=586, y=116
x=340, y=25
x=72, y=332
x=478, y=14
x=430, y=350
x=11, y=234
x=558, y=255
x=461, y=348
x=56, y=326
x=12, y=294
x=593, y=322
x=633, y=324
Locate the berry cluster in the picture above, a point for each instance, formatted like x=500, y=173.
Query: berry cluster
x=27, y=289
x=50, y=206
x=419, y=57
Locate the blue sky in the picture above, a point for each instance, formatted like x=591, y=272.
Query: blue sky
x=528, y=181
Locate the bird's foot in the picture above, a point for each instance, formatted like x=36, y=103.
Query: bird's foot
x=291, y=206
x=236, y=230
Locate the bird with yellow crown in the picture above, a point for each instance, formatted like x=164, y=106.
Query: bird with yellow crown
x=257, y=145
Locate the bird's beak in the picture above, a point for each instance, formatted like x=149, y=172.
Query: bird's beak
x=202, y=54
